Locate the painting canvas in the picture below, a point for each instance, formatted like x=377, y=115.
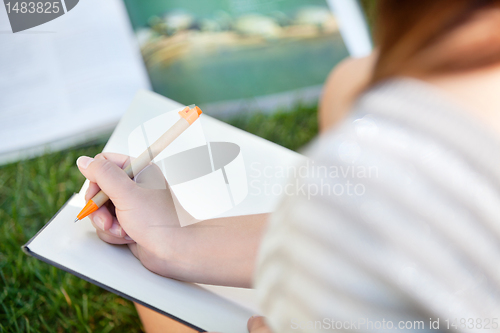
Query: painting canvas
x=231, y=56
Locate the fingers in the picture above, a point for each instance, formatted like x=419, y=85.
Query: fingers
x=118, y=159
x=134, y=250
x=257, y=324
x=112, y=239
x=108, y=227
x=103, y=220
x=91, y=191
x=105, y=170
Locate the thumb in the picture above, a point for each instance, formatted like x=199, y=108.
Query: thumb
x=104, y=171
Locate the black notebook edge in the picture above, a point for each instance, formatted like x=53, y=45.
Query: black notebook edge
x=27, y=250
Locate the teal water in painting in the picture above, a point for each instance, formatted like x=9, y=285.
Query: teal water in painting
x=272, y=68
x=235, y=70
x=141, y=10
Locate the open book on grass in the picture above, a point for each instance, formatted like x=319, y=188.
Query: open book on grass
x=250, y=185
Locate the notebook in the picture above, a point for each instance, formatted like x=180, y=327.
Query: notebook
x=75, y=247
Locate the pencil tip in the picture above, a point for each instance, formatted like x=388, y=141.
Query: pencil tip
x=76, y=220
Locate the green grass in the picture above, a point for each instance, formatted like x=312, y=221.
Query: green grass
x=290, y=129
x=36, y=297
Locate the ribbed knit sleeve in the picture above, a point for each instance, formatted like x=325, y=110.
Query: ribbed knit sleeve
x=394, y=220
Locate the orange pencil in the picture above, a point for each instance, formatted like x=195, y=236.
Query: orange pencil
x=188, y=116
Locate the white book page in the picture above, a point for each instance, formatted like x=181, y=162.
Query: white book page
x=77, y=247
x=213, y=313
x=256, y=177
x=68, y=80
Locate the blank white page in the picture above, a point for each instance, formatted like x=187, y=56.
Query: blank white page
x=76, y=248
x=264, y=161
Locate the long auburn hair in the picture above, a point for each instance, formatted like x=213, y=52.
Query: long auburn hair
x=419, y=37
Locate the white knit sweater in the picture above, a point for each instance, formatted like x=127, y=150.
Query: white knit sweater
x=396, y=222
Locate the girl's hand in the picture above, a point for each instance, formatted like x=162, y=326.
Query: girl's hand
x=219, y=251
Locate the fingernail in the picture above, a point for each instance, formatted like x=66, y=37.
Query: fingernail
x=128, y=237
x=116, y=230
x=84, y=161
x=99, y=222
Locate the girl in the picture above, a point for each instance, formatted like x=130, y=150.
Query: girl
x=418, y=240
